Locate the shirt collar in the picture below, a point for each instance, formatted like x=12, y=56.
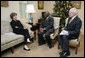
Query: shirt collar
x=47, y=17
x=74, y=17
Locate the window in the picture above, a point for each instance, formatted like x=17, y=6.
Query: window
x=22, y=9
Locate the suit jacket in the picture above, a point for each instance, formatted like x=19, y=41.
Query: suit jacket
x=48, y=24
x=74, y=27
x=18, y=24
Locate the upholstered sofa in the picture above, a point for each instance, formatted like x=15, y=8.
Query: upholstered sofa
x=10, y=39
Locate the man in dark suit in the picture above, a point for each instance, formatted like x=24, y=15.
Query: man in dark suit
x=46, y=28
x=71, y=31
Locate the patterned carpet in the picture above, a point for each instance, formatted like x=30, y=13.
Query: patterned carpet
x=42, y=51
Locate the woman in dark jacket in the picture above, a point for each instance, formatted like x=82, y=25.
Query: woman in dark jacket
x=19, y=29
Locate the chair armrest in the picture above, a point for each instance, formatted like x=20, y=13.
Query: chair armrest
x=56, y=30
x=28, y=26
x=53, y=35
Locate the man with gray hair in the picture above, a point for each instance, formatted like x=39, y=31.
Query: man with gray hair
x=71, y=31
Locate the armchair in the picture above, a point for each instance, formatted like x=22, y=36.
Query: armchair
x=56, y=28
x=74, y=43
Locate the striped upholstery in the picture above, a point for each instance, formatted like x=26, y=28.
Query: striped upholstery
x=56, y=27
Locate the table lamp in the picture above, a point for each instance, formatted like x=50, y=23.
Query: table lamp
x=30, y=10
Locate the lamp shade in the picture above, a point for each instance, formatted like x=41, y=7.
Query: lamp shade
x=30, y=8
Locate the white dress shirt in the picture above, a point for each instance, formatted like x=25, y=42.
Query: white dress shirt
x=72, y=18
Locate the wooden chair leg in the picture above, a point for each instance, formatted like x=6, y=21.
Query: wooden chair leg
x=53, y=42
x=36, y=34
x=58, y=46
x=79, y=44
x=12, y=50
x=76, y=50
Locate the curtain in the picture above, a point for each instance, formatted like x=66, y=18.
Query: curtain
x=22, y=9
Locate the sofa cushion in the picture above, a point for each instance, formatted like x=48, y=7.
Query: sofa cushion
x=5, y=27
x=73, y=42
x=8, y=38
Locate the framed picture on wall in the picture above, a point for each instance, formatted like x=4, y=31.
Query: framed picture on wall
x=76, y=4
x=4, y=3
x=40, y=4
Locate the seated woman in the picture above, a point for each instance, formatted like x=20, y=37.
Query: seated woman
x=19, y=29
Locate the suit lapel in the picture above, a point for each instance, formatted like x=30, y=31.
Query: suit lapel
x=68, y=21
x=73, y=20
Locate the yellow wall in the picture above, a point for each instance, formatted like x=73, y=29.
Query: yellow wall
x=13, y=7
x=81, y=15
x=48, y=6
